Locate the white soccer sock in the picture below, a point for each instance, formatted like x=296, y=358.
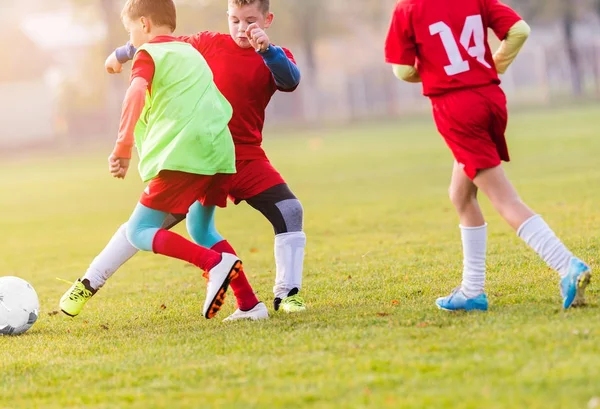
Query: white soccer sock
x=474, y=251
x=289, y=260
x=115, y=254
x=538, y=235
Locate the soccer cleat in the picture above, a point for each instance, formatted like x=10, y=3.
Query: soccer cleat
x=74, y=299
x=457, y=301
x=219, y=278
x=572, y=287
x=259, y=312
x=292, y=303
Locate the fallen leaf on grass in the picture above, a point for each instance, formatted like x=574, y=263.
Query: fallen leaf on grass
x=395, y=302
x=51, y=313
x=382, y=314
x=163, y=307
x=104, y=326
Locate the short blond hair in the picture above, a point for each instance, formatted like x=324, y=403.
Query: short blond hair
x=160, y=12
x=263, y=4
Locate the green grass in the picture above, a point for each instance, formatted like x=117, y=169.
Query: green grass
x=383, y=244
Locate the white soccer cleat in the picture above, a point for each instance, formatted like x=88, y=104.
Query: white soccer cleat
x=219, y=278
x=259, y=312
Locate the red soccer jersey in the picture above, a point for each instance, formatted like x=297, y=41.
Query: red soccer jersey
x=447, y=40
x=243, y=78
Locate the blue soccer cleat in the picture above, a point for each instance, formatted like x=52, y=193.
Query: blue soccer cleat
x=572, y=287
x=457, y=301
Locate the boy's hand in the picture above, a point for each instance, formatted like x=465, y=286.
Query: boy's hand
x=259, y=40
x=112, y=65
x=118, y=167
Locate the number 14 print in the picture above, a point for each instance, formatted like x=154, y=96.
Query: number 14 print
x=473, y=28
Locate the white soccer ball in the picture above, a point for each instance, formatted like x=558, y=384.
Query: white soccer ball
x=19, y=306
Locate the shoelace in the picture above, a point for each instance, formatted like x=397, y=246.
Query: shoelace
x=78, y=294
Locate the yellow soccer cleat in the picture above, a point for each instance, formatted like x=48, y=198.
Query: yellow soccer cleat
x=74, y=299
x=292, y=303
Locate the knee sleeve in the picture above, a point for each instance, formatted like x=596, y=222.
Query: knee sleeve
x=279, y=205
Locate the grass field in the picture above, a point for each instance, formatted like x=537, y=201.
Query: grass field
x=383, y=244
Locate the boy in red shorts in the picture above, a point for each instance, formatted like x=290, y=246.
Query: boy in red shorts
x=248, y=70
x=444, y=45
x=179, y=121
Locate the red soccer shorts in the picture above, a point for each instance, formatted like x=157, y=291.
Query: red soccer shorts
x=253, y=176
x=473, y=122
x=174, y=192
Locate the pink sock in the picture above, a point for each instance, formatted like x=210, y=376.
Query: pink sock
x=173, y=245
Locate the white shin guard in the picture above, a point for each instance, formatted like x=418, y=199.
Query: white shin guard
x=289, y=260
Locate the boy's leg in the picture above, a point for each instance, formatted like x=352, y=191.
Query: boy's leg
x=116, y=253
x=145, y=233
x=201, y=227
x=259, y=183
x=470, y=295
x=279, y=205
x=463, y=194
x=574, y=273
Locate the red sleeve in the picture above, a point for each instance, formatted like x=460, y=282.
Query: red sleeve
x=143, y=67
x=501, y=18
x=133, y=106
x=400, y=45
x=198, y=41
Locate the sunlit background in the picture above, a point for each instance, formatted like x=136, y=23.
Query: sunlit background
x=54, y=92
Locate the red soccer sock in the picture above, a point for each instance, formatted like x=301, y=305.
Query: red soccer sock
x=173, y=245
x=244, y=294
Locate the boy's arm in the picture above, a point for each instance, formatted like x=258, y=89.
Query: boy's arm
x=511, y=45
x=284, y=70
x=407, y=73
x=141, y=81
x=400, y=47
x=125, y=53
x=133, y=105
x=510, y=28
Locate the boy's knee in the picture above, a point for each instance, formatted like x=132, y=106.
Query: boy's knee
x=292, y=213
x=204, y=237
x=140, y=238
x=462, y=198
x=204, y=234
x=132, y=237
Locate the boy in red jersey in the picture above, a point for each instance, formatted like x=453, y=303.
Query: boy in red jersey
x=248, y=70
x=444, y=45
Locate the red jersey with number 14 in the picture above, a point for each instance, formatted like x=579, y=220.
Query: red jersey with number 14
x=448, y=41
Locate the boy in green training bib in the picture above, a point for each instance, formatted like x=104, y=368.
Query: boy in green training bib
x=179, y=121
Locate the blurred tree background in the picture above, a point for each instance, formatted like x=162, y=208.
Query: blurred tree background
x=337, y=43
